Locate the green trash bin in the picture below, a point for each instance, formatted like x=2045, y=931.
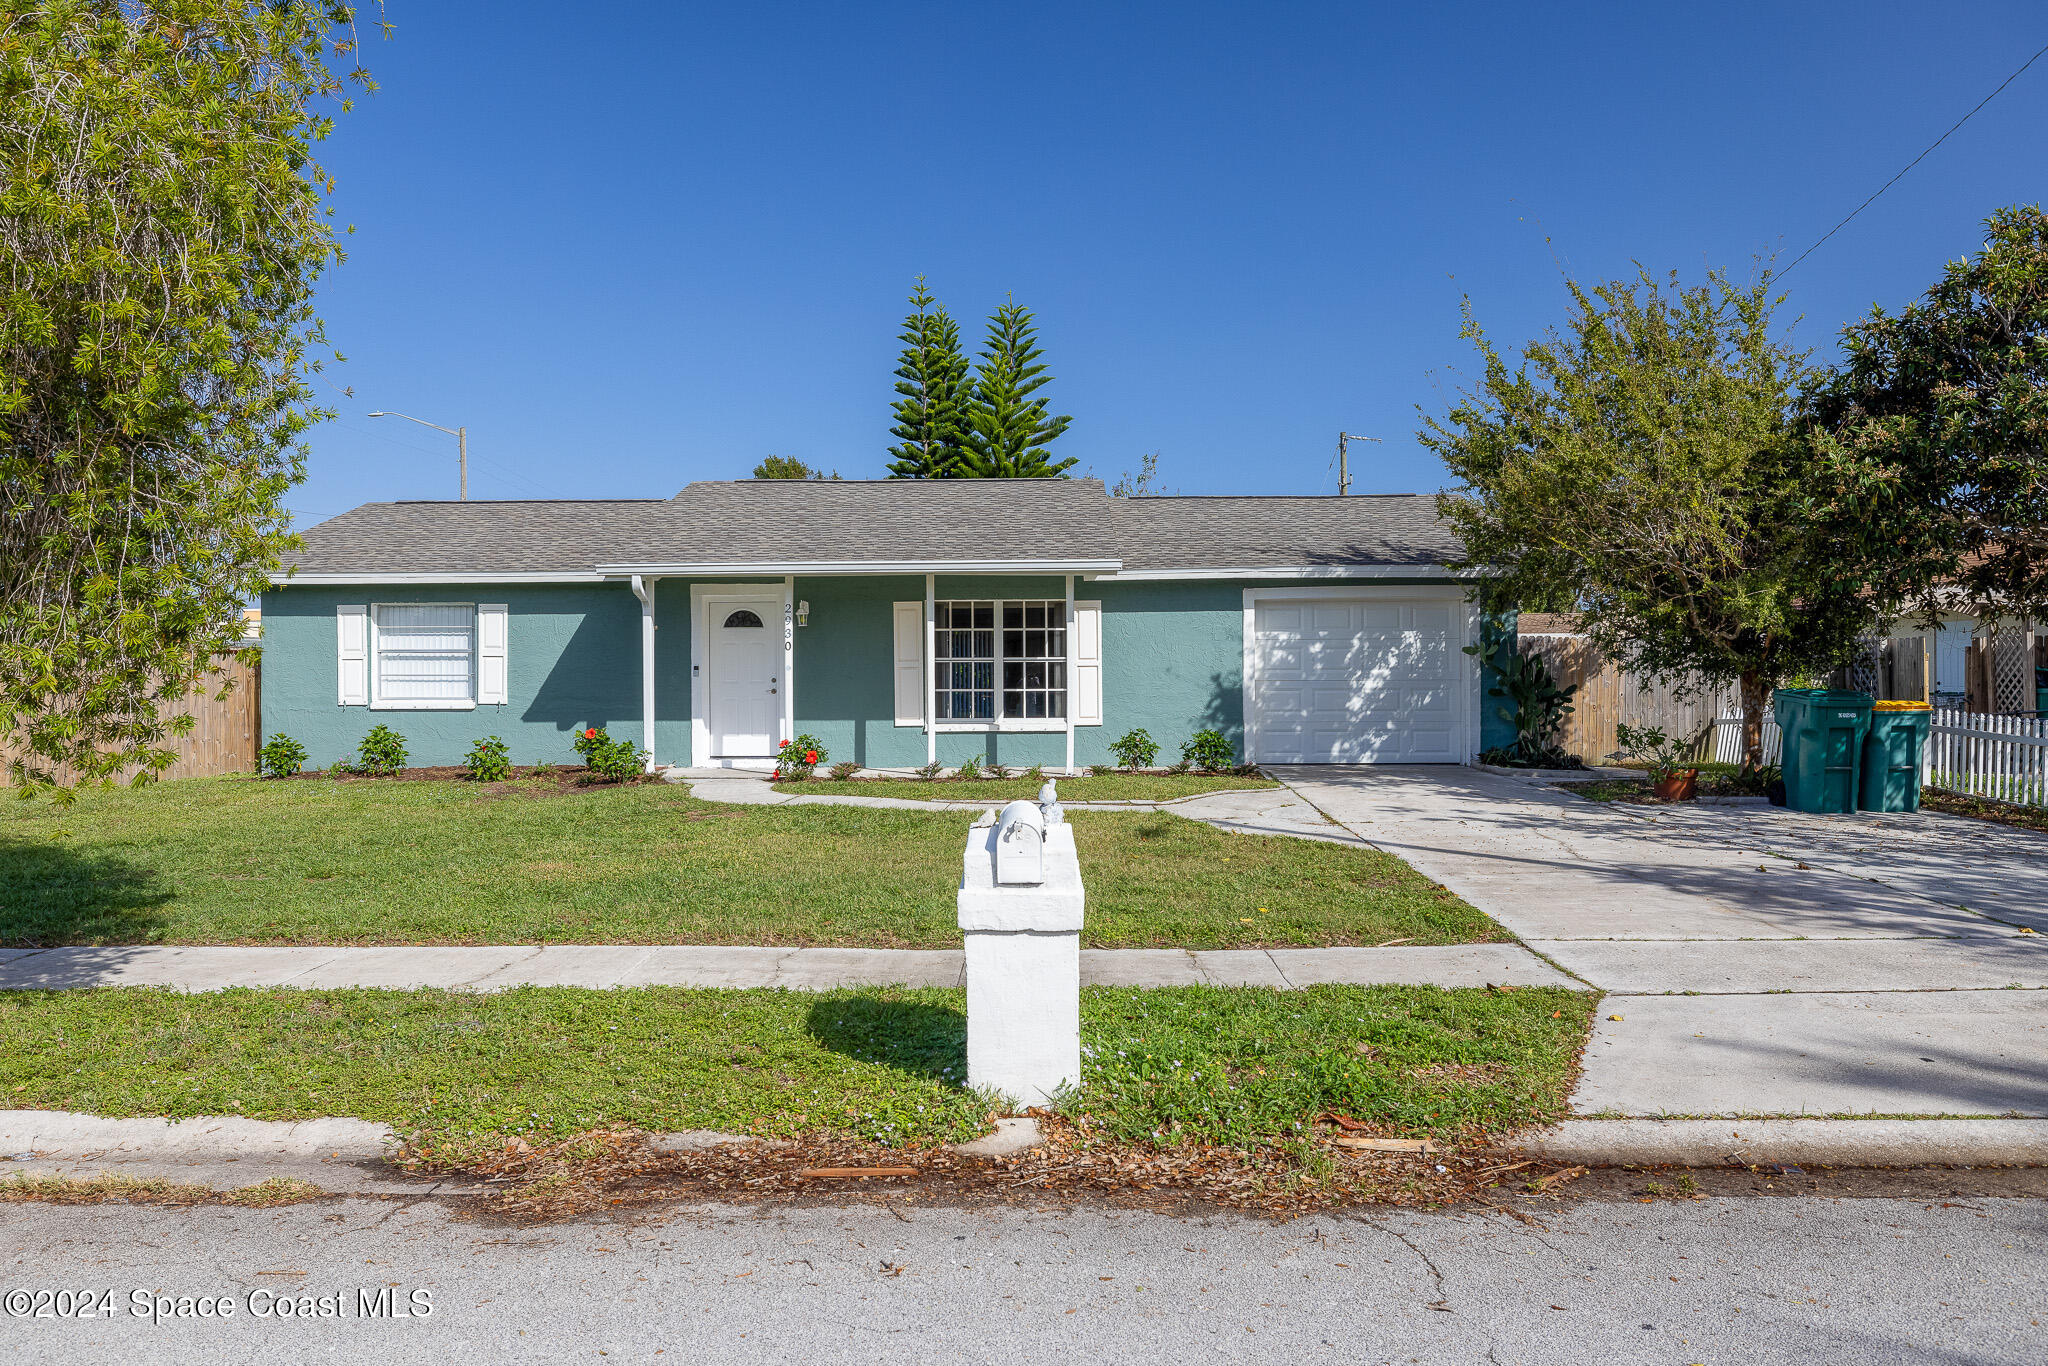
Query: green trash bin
x=1891, y=756
x=1824, y=748
x=1787, y=706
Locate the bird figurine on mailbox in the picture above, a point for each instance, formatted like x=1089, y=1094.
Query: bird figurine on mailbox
x=1020, y=845
x=1049, y=804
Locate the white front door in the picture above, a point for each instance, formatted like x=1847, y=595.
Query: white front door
x=743, y=702
x=1366, y=679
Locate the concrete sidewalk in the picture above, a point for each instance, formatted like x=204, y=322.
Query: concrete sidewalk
x=1248, y=811
x=1758, y=961
x=496, y=967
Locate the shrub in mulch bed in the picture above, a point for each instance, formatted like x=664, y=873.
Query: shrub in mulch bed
x=616, y=1170
x=574, y=776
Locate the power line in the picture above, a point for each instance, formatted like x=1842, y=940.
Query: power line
x=1914, y=162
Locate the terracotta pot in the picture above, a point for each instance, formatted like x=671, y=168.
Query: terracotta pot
x=1678, y=787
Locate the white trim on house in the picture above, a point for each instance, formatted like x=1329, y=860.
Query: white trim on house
x=643, y=589
x=789, y=657
x=931, y=646
x=1070, y=703
x=848, y=567
x=701, y=596
x=1314, y=571
x=1468, y=690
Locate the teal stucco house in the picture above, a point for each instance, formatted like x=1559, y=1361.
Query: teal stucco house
x=1026, y=621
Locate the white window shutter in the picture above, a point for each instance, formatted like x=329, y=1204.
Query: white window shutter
x=909, y=663
x=1087, y=663
x=491, y=626
x=352, y=641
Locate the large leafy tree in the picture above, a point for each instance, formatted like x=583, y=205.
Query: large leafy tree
x=1933, y=433
x=1642, y=466
x=1008, y=426
x=932, y=390
x=789, y=467
x=161, y=229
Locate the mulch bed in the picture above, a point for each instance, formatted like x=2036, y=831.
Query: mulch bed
x=1985, y=809
x=564, y=778
x=616, y=1171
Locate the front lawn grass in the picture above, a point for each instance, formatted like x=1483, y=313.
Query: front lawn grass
x=1105, y=787
x=458, y=1070
x=249, y=861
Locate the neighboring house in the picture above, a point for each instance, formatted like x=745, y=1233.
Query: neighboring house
x=1026, y=621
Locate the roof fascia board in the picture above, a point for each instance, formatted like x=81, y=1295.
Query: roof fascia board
x=1316, y=571
x=785, y=567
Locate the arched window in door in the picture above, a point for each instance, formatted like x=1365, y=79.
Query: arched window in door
x=742, y=618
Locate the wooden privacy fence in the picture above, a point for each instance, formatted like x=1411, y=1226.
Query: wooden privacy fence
x=224, y=731
x=2001, y=757
x=1609, y=695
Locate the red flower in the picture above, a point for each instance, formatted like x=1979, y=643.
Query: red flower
x=810, y=756
x=590, y=734
x=783, y=745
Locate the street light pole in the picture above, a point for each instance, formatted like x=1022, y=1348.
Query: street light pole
x=1344, y=440
x=461, y=435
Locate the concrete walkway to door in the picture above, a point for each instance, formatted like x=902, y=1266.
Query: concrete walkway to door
x=1758, y=961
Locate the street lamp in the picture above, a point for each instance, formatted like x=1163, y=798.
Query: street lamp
x=461, y=435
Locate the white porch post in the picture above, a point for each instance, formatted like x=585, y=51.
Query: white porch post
x=1069, y=708
x=931, y=682
x=643, y=589
x=789, y=657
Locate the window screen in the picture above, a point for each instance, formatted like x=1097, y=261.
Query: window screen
x=426, y=652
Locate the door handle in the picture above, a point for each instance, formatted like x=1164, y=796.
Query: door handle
x=771, y=692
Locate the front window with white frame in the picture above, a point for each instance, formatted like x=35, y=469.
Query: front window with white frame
x=1000, y=660
x=424, y=654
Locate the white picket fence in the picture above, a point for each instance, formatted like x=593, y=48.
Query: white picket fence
x=2001, y=757
x=1728, y=739
x=1975, y=753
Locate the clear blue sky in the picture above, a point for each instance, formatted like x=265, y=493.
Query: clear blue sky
x=632, y=245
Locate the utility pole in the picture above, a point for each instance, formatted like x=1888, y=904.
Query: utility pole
x=461, y=435
x=1344, y=460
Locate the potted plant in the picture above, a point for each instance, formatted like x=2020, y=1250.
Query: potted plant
x=1672, y=778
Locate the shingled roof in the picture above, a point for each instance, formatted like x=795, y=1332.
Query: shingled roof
x=894, y=522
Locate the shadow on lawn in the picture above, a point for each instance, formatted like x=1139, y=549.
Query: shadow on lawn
x=53, y=895
x=910, y=1036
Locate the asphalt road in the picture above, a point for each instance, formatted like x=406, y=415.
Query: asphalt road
x=1803, y=1279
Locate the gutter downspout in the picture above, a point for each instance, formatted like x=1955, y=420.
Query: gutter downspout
x=643, y=589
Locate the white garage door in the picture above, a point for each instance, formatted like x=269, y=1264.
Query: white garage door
x=1372, y=679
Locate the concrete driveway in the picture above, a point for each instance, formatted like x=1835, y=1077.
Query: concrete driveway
x=1761, y=961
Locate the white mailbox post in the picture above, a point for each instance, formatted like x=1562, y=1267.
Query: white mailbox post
x=1020, y=909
